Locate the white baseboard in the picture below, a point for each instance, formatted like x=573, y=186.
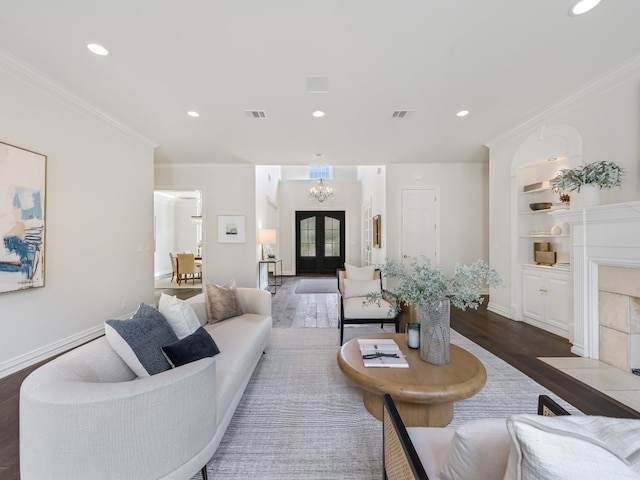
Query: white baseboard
x=492, y=307
x=23, y=361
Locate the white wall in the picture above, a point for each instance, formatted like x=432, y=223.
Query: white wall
x=464, y=197
x=606, y=113
x=174, y=229
x=164, y=213
x=186, y=238
x=226, y=190
x=293, y=195
x=267, y=183
x=373, y=180
x=99, y=221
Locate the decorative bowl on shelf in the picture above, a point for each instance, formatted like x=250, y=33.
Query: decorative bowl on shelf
x=540, y=206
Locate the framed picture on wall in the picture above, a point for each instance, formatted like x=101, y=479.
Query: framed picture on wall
x=23, y=179
x=376, y=230
x=231, y=229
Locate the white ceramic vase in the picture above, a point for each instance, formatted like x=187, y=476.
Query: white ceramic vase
x=589, y=196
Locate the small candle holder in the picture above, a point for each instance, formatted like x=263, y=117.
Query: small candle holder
x=412, y=331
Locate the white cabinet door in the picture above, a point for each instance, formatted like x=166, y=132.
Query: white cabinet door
x=558, y=301
x=532, y=298
x=546, y=299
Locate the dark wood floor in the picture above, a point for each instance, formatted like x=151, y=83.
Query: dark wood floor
x=516, y=343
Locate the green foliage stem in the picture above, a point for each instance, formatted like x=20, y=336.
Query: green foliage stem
x=417, y=282
x=603, y=174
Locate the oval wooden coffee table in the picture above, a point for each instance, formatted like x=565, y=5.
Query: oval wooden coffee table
x=423, y=393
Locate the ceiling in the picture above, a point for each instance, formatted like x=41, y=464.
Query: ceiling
x=504, y=60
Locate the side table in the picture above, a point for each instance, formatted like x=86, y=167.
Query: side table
x=277, y=278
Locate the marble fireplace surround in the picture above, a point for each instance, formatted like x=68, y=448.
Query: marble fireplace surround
x=608, y=236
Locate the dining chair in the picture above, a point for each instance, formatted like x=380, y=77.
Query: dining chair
x=174, y=265
x=187, y=268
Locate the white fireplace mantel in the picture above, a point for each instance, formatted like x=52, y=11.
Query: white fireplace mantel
x=602, y=235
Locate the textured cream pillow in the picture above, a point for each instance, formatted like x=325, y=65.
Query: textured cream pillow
x=360, y=288
x=479, y=449
x=222, y=301
x=573, y=447
x=359, y=273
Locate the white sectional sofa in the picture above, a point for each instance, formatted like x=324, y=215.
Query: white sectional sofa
x=86, y=414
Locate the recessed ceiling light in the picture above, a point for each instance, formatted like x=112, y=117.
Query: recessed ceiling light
x=583, y=6
x=98, y=49
x=462, y=113
x=191, y=113
x=318, y=113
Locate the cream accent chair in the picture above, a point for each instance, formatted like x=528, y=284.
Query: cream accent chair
x=476, y=449
x=354, y=311
x=187, y=269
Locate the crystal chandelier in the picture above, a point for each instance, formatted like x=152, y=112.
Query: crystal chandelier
x=321, y=192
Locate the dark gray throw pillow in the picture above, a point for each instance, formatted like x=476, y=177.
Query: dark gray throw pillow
x=191, y=348
x=138, y=340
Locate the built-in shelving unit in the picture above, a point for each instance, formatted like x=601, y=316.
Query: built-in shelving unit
x=546, y=289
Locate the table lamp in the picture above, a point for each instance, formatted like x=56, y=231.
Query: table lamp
x=266, y=236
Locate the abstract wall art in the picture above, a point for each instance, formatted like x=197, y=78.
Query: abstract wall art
x=23, y=178
x=231, y=229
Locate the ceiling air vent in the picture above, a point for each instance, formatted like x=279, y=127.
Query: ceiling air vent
x=255, y=113
x=402, y=113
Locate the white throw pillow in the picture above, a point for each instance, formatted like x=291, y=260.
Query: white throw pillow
x=359, y=273
x=360, y=288
x=179, y=314
x=573, y=447
x=479, y=449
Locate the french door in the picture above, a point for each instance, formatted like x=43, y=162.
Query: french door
x=320, y=241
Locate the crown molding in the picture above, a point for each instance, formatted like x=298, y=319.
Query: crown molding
x=36, y=79
x=628, y=69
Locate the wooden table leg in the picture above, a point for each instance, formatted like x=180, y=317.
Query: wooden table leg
x=413, y=414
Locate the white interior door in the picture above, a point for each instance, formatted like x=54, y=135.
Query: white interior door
x=420, y=223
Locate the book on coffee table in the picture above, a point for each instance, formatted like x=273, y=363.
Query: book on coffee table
x=381, y=352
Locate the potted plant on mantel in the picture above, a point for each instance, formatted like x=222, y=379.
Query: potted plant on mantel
x=601, y=174
x=416, y=282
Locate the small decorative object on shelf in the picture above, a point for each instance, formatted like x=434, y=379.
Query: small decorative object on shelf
x=412, y=331
x=565, y=198
x=540, y=206
x=545, y=258
x=536, y=186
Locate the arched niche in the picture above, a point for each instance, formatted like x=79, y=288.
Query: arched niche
x=548, y=141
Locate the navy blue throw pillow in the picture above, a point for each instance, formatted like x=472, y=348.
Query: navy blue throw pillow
x=191, y=348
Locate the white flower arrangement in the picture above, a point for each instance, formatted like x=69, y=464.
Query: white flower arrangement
x=419, y=283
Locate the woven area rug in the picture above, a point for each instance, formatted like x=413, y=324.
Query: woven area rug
x=317, y=285
x=301, y=418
